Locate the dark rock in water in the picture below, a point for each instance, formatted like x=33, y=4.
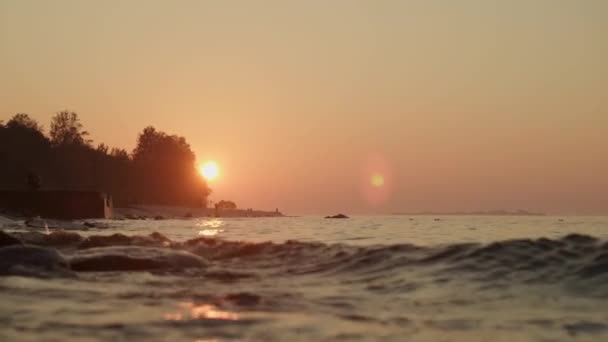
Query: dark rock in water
x=89, y=224
x=153, y=240
x=580, y=238
x=156, y=236
x=5, y=221
x=188, y=215
x=53, y=224
x=32, y=260
x=338, y=216
x=62, y=238
x=586, y=328
x=135, y=217
x=103, y=241
x=243, y=299
x=131, y=258
x=30, y=237
x=159, y=217
x=56, y=238
x=8, y=240
x=34, y=223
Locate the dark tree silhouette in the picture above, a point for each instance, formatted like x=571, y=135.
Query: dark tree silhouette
x=66, y=129
x=24, y=121
x=225, y=205
x=165, y=164
x=161, y=169
x=23, y=149
x=102, y=148
x=119, y=154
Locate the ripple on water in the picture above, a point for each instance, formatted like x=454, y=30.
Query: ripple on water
x=211, y=288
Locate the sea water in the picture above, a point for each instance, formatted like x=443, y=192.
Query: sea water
x=372, y=278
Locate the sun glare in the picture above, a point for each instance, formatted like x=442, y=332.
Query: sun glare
x=210, y=170
x=377, y=180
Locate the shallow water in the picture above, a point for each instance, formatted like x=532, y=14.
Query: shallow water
x=375, y=278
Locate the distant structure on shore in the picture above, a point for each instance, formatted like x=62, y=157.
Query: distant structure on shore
x=478, y=213
x=150, y=211
x=65, y=205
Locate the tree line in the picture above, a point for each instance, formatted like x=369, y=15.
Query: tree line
x=160, y=170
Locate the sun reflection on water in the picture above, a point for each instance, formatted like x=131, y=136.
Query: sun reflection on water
x=210, y=232
x=210, y=227
x=203, y=311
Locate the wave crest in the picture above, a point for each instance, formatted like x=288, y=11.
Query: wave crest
x=530, y=260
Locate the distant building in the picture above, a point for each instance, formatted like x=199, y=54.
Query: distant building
x=66, y=205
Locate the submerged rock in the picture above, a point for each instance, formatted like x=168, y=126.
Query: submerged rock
x=56, y=238
x=30, y=237
x=132, y=258
x=62, y=238
x=32, y=260
x=44, y=224
x=5, y=221
x=158, y=237
x=103, y=241
x=153, y=240
x=135, y=217
x=8, y=240
x=338, y=216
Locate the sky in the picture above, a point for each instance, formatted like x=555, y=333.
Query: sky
x=305, y=105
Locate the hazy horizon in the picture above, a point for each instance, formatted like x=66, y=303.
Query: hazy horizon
x=468, y=106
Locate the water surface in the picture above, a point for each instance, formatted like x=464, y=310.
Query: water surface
x=376, y=278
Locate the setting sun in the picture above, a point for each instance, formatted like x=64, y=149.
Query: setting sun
x=210, y=170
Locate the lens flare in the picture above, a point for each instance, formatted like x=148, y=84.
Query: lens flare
x=194, y=311
x=377, y=180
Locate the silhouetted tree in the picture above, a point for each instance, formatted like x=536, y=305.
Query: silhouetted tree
x=225, y=205
x=119, y=154
x=102, y=148
x=165, y=164
x=161, y=169
x=23, y=120
x=23, y=149
x=66, y=129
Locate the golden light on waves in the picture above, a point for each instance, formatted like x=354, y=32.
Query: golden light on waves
x=202, y=311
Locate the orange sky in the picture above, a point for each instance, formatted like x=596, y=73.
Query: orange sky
x=460, y=105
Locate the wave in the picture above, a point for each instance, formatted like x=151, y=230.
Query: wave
x=573, y=256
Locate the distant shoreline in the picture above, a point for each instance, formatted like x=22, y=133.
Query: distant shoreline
x=473, y=213
x=157, y=212
x=135, y=212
